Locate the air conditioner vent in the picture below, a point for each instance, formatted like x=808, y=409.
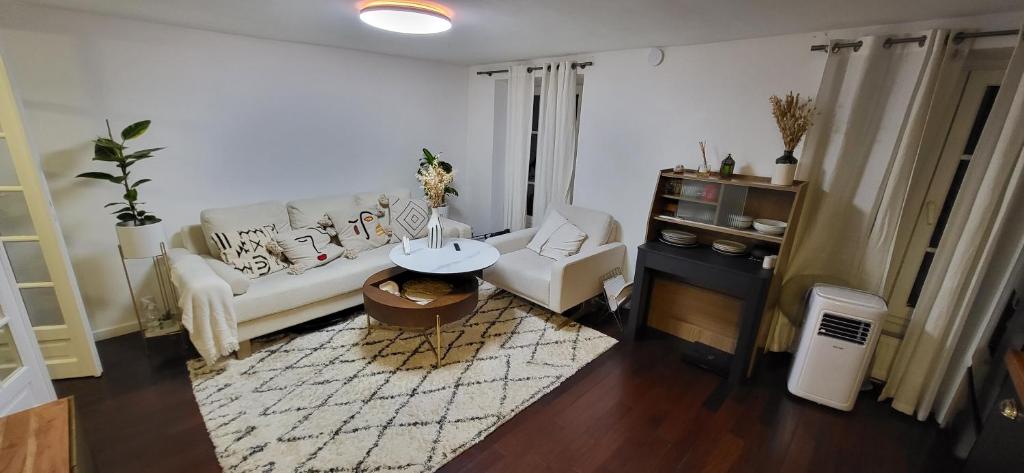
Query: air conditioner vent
x=844, y=328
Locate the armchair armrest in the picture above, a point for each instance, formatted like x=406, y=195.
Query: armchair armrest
x=510, y=242
x=456, y=229
x=578, y=277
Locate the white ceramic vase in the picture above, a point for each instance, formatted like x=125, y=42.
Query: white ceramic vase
x=434, y=231
x=442, y=211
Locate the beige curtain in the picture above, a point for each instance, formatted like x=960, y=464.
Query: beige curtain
x=875, y=105
x=961, y=261
x=556, y=139
x=519, y=115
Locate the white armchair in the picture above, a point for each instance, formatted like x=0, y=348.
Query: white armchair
x=558, y=285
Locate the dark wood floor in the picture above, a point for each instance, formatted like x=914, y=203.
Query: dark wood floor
x=636, y=408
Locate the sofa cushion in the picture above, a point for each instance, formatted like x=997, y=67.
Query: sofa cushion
x=360, y=231
x=523, y=272
x=305, y=213
x=373, y=199
x=233, y=219
x=597, y=225
x=557, y=238
x=307, y=248
x=282, y=291
x=247, y=250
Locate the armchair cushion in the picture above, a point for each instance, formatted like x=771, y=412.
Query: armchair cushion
x=557, y=238
x=522, y=272
x=597, y=225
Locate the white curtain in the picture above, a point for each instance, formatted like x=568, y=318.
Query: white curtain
x=556, y=139
x=875, y=106
x=982, y=210
x=517, y=145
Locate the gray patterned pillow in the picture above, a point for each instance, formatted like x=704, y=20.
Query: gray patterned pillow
x=246, y=250
x=408, y=217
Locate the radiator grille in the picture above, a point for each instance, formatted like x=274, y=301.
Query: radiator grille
x=844, y=328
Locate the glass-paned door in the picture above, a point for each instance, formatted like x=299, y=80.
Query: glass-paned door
x=35, y=248
x=24, y=381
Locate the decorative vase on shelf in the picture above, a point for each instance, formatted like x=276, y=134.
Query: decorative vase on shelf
x=434, y=231
x=785, y=169
x=728, y=167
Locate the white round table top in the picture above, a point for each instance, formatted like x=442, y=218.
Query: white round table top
x=471, y=256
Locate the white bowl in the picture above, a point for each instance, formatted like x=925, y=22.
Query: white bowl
x=769, y=226
x=740, y=221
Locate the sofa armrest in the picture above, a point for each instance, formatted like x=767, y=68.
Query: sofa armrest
x=455, y=229
x=237, y=281
x=578, y=277
x=510, y=242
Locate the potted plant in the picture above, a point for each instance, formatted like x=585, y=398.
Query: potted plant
x=435, y=178
x=138, y=231
x=794, y=117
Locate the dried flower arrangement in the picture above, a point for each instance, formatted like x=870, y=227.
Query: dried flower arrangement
x=793, y=116
x=435, y=178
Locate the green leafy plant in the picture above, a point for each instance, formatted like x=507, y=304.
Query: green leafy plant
x=436, y=176
x=108, y=149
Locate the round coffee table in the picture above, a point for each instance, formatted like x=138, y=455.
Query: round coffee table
x=458, y=255
x=397, y=311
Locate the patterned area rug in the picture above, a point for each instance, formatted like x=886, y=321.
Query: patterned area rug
x=341, y=400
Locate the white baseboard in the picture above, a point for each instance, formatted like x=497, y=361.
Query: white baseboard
x=117, y=330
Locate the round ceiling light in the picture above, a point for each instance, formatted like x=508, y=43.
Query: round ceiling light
x=406, y=17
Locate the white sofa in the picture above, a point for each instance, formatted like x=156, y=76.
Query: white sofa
x=563, y=284
x=280, y=299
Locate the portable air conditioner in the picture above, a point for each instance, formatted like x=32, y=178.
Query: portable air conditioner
x=838, y=338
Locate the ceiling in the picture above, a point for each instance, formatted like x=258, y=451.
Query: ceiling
x=491, y=31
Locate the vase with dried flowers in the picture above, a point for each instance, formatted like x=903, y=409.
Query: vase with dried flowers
x=703, y=170
x=794, y=117
x=436, y=178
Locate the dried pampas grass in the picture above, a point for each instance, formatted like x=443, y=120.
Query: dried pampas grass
x=793, y=116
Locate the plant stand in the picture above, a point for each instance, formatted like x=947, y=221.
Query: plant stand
x=169, y=322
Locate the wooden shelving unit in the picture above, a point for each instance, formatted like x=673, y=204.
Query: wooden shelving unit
x=709, y=313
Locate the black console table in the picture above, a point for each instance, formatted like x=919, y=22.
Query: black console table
x=735, y=276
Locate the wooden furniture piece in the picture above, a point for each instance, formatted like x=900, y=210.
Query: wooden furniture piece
x=998, y=447
x=43, y=439
x=716, y=303
x=397, y=311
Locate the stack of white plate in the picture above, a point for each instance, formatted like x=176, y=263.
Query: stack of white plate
x=679, y=238
x=740, y=221
x=769, y=226
x=729, y=247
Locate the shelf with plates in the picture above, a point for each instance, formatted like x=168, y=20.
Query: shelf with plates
x=698, y=294
x=751, y=234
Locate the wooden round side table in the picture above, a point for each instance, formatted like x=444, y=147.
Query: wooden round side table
x=402, y=313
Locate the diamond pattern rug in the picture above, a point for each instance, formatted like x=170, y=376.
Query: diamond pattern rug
x=343, y=400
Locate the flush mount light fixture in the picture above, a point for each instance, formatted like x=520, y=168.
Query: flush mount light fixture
x=406, y=16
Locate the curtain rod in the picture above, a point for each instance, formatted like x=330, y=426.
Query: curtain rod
x=889, y=42
x=581, y=65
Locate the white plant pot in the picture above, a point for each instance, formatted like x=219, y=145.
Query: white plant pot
x=140, y=241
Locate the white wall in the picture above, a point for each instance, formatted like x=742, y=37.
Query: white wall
x=637, y=119
x=243, y=120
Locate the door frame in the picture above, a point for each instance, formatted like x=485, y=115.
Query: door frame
x=73, y=344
